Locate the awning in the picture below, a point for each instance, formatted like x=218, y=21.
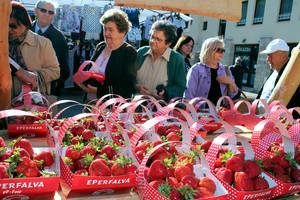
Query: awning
x=222, y=9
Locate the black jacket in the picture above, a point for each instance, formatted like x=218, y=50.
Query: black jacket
x=60, y=46
x=121, y=71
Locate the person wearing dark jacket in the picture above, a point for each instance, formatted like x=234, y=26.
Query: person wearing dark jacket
x=45, y=12
x=115, y=58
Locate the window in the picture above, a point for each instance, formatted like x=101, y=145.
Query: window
x=242, y=22
x=205, y=26
x=222, y=28
x=285, y=10
x=259, y=12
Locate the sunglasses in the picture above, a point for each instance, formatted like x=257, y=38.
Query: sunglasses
x=43, y=10
x=13, y=26
x=220, y=50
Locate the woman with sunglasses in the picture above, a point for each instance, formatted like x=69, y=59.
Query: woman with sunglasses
x=208, y=78
x=31, y=51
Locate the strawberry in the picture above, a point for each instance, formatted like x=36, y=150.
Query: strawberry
x=172, y=181
x=296, y=174
x=225, y=174
x=69, y=162
x=84, y=162
x=173, y=136
x=82, y=172
x=156, y=183
x=251, y=168
x=203, y=192
x=157, y=170
x=205, y=145
x=131, y=168
x=99, y=168
x=283, y=178
x=2, y=143
x=46, y=156
x=181, y=171
x=74, y=151
x=27, y=167
x=208, y=183
x=23, y=143
x=190, y=180
x=23, y=152
x=260, y=183
x=161, y=130
x=174, y=126
x=243, y=182
x=87, y=134
x=77, y=129
x=109, y=151
x=142, y=146
x=3, y=172
x=277, y=170
x=219, y=162
x=89, y=149
x=267, y=163
x=235, y=164
x=120, y=166
x=160, y=154
x=77, y=139
x=172, y=149
x=175, y=195
x=5, y=154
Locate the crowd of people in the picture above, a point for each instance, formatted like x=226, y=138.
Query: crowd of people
x=38, y=55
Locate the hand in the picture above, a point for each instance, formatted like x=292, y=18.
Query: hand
x=143, y=89
x=159, y=95
x=227, y=80
x=88, y=88
x=33, y=79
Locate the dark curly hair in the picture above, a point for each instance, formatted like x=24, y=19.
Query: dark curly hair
x=20, y=13
x=182, y=41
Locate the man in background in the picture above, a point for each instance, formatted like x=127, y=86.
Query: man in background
x=45, y=13
x=278, y=57
x=238, y=70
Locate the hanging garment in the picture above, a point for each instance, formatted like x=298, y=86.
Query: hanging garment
x=90, y=21
x=70, y=19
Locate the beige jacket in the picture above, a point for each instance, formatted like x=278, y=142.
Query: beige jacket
x=39, y=56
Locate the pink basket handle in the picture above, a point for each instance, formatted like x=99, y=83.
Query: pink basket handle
x=100, y=101
x=265, y=105
x=294, y=132
x=231, y=104
x=199, y=101
x=14, y=112
x=239, y=103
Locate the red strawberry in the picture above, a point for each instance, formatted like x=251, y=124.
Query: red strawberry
x=267, y=163
x=208, y=183
x=277, y=170
x=251, y=168
x=25, y=144
x=205, y=145
x=88, y=149
x=160, y=154
x=84, y=162
x=296, y=174
x=225, y=174
x=74, y=151
x=69, y=162
x=27, y=167
x=23, y=152
x=131, y=168
x=283, y=178
x=161, y=130
x=260, y=183
x=172, y=149
x=203, y=192
x=119, y=169
x=174, y=126
x=190, y=180
x=77, y=129
x=235, y=164
x=172, y=181
x=109, y=151
x=2, y=143
x=175, y=195
x=5, y=155
x=46, y=156
x=157, y=170
x=243, y=182
x=219, y=162
x=173, y=136
x=82, y=172
x=156, y=183
x=181, y=171
x=87, y=134
x=142, y=146
x=3, y=172
x=99, y=168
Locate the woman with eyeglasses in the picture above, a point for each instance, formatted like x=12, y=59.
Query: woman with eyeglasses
x=184, y=46
x=31, y=51
x=161, y=69
x=208, y=77
x=114, y=57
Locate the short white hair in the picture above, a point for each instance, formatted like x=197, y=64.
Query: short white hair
x=43, y=2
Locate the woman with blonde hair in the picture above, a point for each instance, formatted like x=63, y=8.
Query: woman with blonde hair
x=208, y=77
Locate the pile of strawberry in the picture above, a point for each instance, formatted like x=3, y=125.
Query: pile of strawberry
x=21, y=162
x=97, y=157
x=173, y=175
x=20, y=102
x=170, y=132
x=243, y=175
x=282, y=165
x=40, y=119
x=283, y=120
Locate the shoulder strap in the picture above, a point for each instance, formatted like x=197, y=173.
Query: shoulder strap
x=227, y=74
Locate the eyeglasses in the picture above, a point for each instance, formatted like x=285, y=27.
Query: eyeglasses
x=220, y=50
x=156, y=39
x=43, y=10
x=13, y=26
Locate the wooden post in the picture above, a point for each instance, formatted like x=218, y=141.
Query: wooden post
x=5, y=74
x=289, y=80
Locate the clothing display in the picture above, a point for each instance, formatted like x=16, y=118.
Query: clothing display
x=90, y=19
x=70, y=18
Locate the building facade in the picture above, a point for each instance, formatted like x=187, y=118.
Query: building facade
x=261, y=22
